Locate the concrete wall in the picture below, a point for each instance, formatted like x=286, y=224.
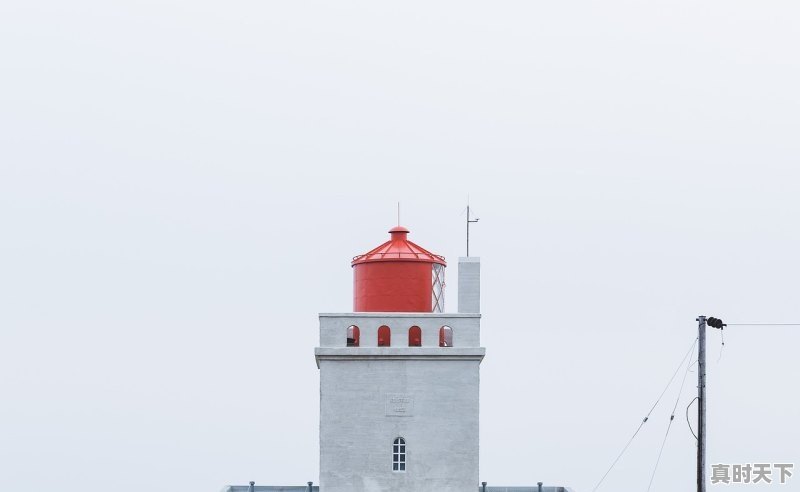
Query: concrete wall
x=469, y=284
x=333, y=328
x=371, y=395
x=437, y=417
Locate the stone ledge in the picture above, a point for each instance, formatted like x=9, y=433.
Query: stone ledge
x=399, y=353
x=399, y=315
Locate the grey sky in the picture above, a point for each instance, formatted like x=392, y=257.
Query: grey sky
x=183, y=184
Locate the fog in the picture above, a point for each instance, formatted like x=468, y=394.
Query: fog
x=184, y=184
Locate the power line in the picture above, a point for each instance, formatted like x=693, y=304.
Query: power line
x=620, y=455
x=763, y=324
x=669, y=426
x=691, y=348
x=660, y=451
x=644, y=421
x=687, y=418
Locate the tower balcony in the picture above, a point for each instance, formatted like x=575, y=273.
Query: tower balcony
x=400, y=336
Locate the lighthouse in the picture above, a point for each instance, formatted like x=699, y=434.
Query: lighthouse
x=399, y=376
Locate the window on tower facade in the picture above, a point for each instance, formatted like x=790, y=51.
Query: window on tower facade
x=415, y=336
x=445, y=336
x=399, y=455
x=353, y=336
x=384, y=336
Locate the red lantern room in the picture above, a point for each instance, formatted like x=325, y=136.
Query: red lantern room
x=398, y=276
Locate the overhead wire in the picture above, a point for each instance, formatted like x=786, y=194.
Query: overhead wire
x=691, y=349
x=672, y=415
x=669, y=426
x=644, y=421
x=687, y=416
x=762, y=324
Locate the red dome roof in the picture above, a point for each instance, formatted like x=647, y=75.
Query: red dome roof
x=399, y=248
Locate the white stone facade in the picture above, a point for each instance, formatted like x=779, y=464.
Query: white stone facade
x=427, y=395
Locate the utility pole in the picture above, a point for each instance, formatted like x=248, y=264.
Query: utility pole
x=701, y=404
x=701, y=396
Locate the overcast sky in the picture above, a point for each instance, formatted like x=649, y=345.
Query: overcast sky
x=183, y=185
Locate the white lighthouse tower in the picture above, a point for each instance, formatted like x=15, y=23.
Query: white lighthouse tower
x=399, y=378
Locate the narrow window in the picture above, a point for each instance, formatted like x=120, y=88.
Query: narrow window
x=445, y=336
x=353, y=336
x=399, y=455
x=415, y=336
x=384, y=336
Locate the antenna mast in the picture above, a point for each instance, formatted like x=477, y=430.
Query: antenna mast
x=469, y=221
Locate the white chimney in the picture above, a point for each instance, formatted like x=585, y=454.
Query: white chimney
x=469, y=284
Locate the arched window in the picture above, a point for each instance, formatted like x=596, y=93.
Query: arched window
x=399, y=455
x=353, y=336
x=384, y=336
x=445, y=336
x=415, y=336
